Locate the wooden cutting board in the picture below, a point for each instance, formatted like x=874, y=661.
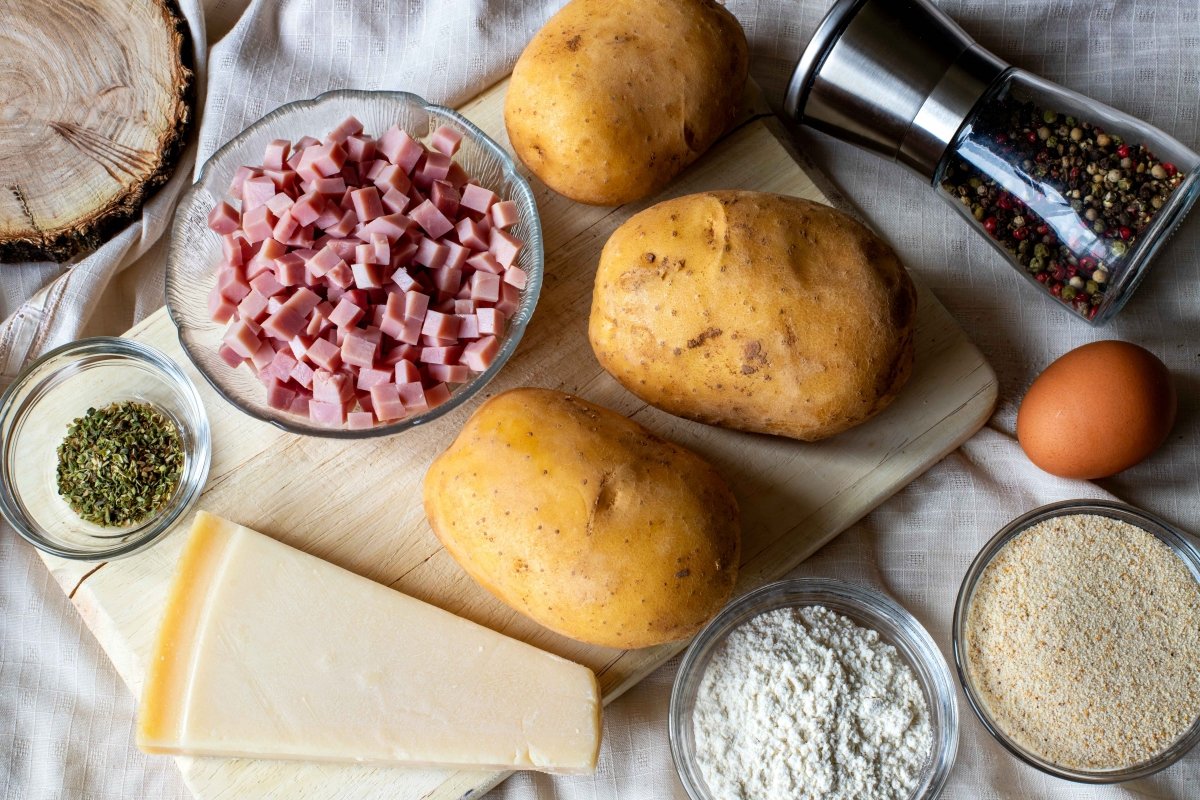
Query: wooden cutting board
x=358, y=504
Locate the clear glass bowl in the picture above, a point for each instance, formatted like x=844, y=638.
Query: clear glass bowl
x=866, y=608
x=60, y=387
x=195, y=251
x=1147, y=522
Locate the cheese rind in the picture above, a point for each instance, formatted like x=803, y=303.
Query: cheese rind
x=268, y=652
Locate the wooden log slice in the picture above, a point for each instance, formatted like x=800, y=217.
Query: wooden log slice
x=95, y=102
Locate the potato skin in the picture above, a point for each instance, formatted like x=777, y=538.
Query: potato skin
x=613, y=98
x=754, y=311
x=585, y=521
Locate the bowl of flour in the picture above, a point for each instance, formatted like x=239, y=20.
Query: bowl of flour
x=813, y=689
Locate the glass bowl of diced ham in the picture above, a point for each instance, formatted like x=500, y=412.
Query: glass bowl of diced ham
x=355, y=264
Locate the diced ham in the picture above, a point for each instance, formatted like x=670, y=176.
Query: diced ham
x=445, y=140
x=220, y=308
x=436, y=395
x=504, y=246
x=326, y=413
x=258, y=223
x=224, y=218
x=230, y=356
x=385, y=400
x=477, y=199
x=449, y=373
x=400, y=148
x=515, y=276
x=485, y=262
x=325, y=354
x=430, y=253
x=360, y=420
x=276, y=154
x=407, y=371
x=367, y=203
x=480, y=354
x=242, y=338
x=445, y=197
x=485, y=286
x=362, y=278
x=345, y=129
x=359, y=149
x=358, y=350
x=285, y=323
x=430, y=219
x=280, y=203
x=469, y=234
x=491, y=321
x=253, y=307
x=504, y=214
x=256, y=192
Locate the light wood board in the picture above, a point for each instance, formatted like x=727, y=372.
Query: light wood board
x=358, y=504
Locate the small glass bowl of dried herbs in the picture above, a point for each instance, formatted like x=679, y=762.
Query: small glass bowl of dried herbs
x=104, y=446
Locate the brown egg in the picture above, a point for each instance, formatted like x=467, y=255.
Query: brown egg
x=1097, y=410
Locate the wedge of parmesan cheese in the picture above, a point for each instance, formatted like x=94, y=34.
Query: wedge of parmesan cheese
x=268, y=652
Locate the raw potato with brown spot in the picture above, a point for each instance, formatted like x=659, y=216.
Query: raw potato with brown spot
x=613, y=98
x=585, y=521
x=754, y=311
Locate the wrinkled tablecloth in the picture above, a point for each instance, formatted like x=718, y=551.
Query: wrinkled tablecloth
x=66, y=720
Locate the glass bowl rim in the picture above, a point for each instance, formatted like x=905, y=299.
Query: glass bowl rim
x=868, y=603
x=1155, y=526
x=514, y=332
x=117, y=348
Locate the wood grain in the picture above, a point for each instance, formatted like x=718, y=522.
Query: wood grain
x=95, y=101
x=358, y=503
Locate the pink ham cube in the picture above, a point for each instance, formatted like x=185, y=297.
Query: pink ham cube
x=329, y=414
x=278, y=395
x=258, y=223
x=230, y=356
x=256, y=192
x=358, y=350
x=400, y=148
x=504, y=246
x=348, y=127
x=369, y=377
x=445, y=140
x=359, y=149
x=491, y=321
x=476, y=198
x=321, y=161
x=515, y=276
x=430, y=253
x=303, y=374
x=346, y=313
x=385, y=400
x=431, y=220
x=276, y=154
x=308, y=209
x=367, y=204
x=485, y=287
x=285, y=323
x=485, y=262
x=445, y=197
x=436, y=395
x=504, y=214
x=253, y=307
x=290, y=269
x=367, y=276
x=325, y=355
x=407, y=372
x=224, y=218
x=441, y=355
x=469, y=234
x=440, y=326
x=220, y=308
x=480, y=354
x=449, y=373
x=360, y=420
x=332, y=387
x=265, y=283
x=243, y=339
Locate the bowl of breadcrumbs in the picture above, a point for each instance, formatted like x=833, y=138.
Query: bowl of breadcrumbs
x=1077, y=640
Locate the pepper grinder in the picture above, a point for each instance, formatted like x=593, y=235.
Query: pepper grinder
x=1077, y=196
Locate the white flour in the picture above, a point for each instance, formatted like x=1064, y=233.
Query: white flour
x=803, y=703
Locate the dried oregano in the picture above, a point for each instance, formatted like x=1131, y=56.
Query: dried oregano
x=119, y=464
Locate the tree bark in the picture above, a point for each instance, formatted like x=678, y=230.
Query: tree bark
x=96, y=99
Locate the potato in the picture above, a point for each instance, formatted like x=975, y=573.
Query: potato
x=754, y=311
x=613, y=98
x=584, y=520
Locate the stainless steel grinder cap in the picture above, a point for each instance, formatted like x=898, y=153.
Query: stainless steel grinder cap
x=898, y=77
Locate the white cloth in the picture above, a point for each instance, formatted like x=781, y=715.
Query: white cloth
x=66, y=719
